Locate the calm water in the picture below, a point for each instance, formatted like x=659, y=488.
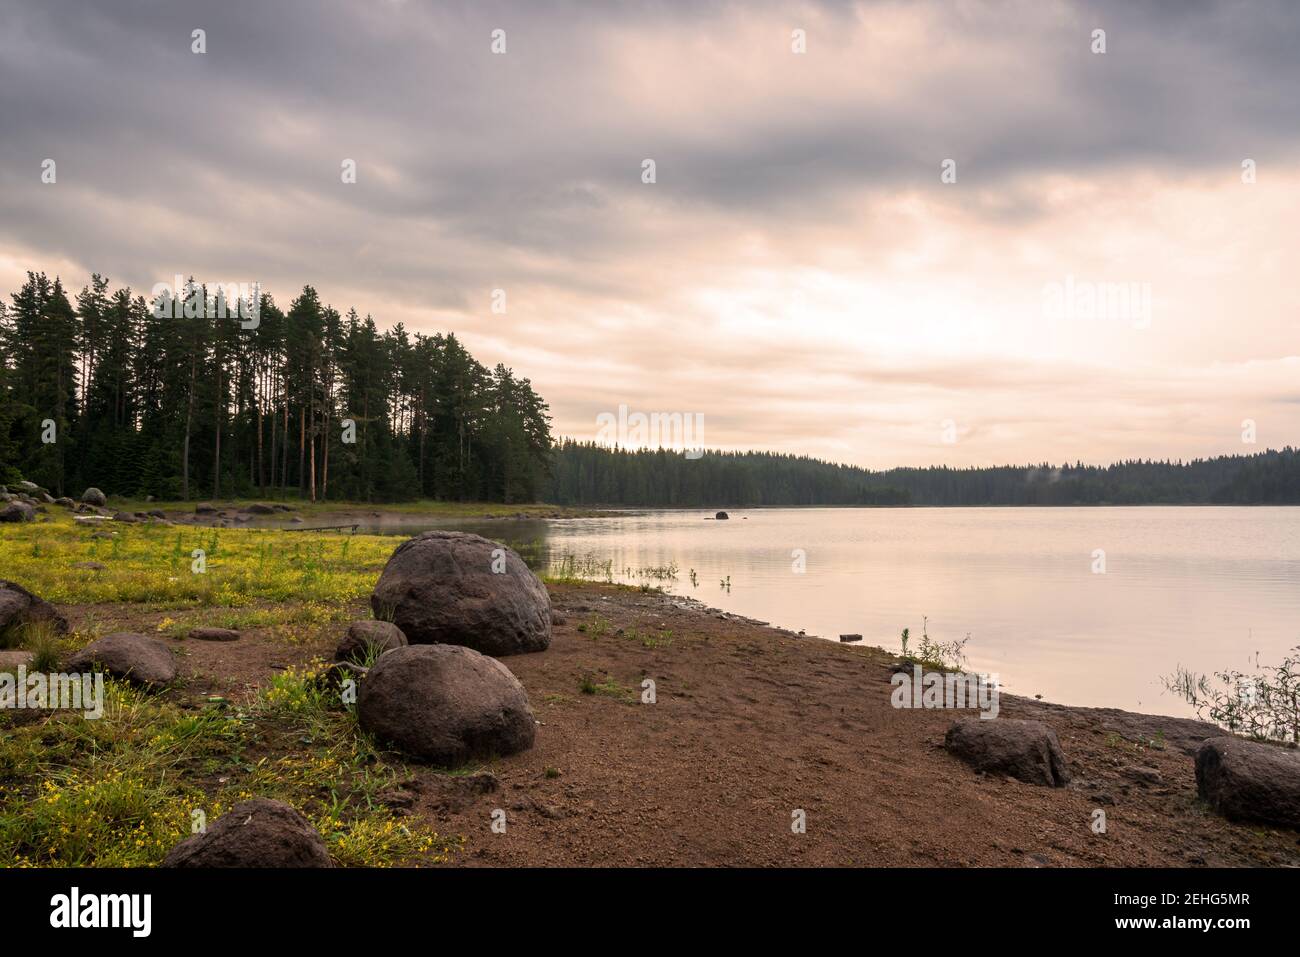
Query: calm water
x=1202, y=587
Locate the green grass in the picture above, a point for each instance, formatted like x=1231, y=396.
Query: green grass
x=153, y=564
x=122, y=790
x=609, y=688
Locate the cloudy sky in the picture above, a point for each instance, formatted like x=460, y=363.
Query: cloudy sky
x=799, y=272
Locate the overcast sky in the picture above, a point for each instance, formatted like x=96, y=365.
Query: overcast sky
x=799, y=273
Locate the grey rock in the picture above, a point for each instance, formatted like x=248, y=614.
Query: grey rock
x=440, y=587
x=445, y=704
x=124, y=654
x=257, y=833
x=1026, y=750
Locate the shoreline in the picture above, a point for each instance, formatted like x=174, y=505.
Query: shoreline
x=750, y=723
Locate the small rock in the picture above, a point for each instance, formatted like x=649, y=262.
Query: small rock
x=134, y=657
x=362, y=636
x=214, y=634
x=91, y=566
x=722, y=515
x=848, y=638
x=1141, y=775
x=1026, y=750
x=256, y=833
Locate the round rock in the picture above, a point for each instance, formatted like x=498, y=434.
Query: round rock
x=363, y=636
x=461, y=589
x=18, y=512
x=93, y=496
x=124, y=654
x=445, y=704
x=256, y=833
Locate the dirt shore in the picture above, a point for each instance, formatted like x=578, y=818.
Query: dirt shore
x=751, y=724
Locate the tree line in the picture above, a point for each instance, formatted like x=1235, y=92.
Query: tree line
x=584, y=473
x=189, y=396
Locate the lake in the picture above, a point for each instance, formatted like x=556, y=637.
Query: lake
x=1203, y=587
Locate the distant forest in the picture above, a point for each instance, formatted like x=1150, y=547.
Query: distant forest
x=588, y=474
x=183, y=399
x=188, y=401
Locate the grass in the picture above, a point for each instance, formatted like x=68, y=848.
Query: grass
x=609, y=687
x=122, y=790
x=154, y=564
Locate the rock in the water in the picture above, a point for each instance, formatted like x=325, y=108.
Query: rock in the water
x=445, y=704
x=18, y=512
x=19, y=609
x=205, y=508
x=256, y=833
x=1250, y=781
x=125, y=654
x=258, y=508
x=365, y=635
x=93, y=496
x=1026, y=750
x=722, y=515
x=214, y=634
x=461, y=589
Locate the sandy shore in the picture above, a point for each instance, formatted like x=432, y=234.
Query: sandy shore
x=751, y=724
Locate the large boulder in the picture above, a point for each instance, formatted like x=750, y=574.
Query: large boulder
x=124, y=654
x=257, y=833
x=1026, y=750
x=93, y=496
x=460, y=589
x=445, y=704
x=18, y=512
x=365, y=638
x=1250, y=781
x=19, y=608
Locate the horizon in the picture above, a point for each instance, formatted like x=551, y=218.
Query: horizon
x=840, y=255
